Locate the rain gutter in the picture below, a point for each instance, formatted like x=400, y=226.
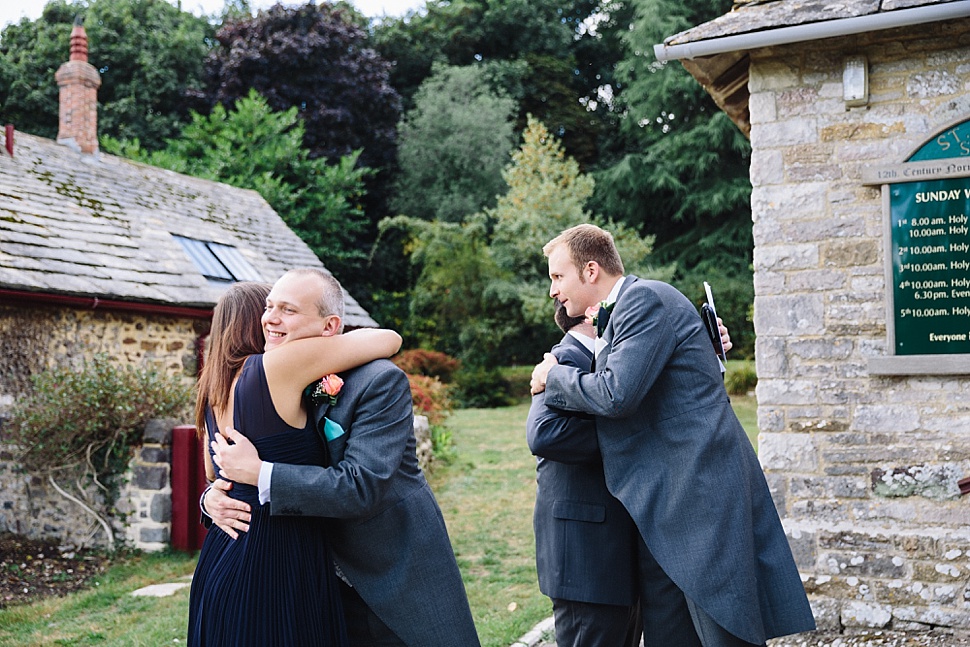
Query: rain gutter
x=815, y=31
x=95, y=303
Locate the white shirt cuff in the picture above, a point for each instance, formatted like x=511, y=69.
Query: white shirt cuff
x=202, y=501
x=265, y=478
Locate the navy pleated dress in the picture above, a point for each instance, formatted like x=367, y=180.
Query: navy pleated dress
x=275, y=585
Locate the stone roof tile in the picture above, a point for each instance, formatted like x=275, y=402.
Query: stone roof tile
x=103, y=226
x=747, y=17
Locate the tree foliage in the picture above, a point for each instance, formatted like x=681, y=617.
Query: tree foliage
x=149, y=54
x=454, y=144
x=546, y=194
x=253, y=147
x=562, y=62
x=681, y=169
x=481, y=291
x=315, y=58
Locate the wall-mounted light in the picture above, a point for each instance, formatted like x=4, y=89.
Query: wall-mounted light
x=855, y=82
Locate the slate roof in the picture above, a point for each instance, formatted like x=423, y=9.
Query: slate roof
x=724, y=73
x=103, y=226
x=747, y=17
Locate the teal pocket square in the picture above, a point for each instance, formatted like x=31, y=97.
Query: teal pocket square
x=331, y=429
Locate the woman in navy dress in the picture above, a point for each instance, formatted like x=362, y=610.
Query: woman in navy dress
x=275, y=584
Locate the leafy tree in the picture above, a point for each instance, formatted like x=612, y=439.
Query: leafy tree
x=453, y=146
x=253, y=147
x=148, y=52
x=682, y=171
x=454, y=267
x=481, y=292
x=555, y=58
x=315, y=58
x=562, y=67
x=546, y=195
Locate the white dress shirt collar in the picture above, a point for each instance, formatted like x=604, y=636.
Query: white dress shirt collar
x=585, y=340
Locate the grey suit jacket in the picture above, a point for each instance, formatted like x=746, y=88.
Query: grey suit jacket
x=679, y=460
x=388, y=535
x=585, y=539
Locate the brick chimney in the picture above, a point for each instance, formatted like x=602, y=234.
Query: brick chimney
x=78, y=81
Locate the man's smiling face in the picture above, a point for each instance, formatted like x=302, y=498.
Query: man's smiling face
x=292, y=310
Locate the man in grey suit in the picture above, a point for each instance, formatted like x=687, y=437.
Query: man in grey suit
x=585, y=540
x=401, y=585
x=714, y=565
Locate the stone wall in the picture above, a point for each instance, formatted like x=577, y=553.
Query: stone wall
x=29, y=505
x=38, y=336
x=142, y=515
x=863, y=467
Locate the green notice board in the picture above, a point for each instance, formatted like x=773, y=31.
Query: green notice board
x=931, y=266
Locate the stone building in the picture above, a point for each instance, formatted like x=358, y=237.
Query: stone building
x=864, y=416
x=99, y=254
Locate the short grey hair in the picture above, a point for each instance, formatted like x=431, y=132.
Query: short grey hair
x=331, y=301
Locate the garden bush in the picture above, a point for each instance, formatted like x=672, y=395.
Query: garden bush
x=86, y=420
x=741, y=377
x=478, y=388
x=431, y=363
x=431, y=397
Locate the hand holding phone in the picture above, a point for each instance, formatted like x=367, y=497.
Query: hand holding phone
x=709, y=315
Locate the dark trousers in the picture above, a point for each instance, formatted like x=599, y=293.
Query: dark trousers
x=364, y=628
x=669, y=618
x=584, y=624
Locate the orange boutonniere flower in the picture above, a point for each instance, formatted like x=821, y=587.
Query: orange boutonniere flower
x=327, y=389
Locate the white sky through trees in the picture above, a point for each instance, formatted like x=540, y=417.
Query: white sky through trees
x=14, y=10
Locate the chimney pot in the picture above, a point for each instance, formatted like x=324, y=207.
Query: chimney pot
x=79, y=44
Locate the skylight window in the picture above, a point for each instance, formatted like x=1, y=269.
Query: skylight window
x=218, y=262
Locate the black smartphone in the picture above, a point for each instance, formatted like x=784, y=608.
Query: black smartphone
x=709, y=315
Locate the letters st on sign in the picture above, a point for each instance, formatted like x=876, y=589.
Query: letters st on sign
x=926, y=202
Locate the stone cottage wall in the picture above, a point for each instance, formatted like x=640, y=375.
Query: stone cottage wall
x=38, y=336
x=863, y=467
x=30, y=506
x=140, y=518
x=142, y=515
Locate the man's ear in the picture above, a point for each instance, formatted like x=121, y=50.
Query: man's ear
x=591, y=272
x=332, y=327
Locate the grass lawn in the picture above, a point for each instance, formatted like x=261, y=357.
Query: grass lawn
x=486, y=494
x=746, y=409
x=106, y=614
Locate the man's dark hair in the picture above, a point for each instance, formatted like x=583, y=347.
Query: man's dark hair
x=564, y=321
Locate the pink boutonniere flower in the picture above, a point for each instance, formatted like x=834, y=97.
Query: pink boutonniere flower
x=592, y=313
x=327, y=389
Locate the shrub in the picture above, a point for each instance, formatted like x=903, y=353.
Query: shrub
x=443, y=444
x=431, y=397
x=88, y=419
x=430, y=363
x=519, y=380
x=741, y=377
x=482, y=388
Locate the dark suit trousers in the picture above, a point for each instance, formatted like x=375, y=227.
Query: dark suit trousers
x=669, y=618
x=584, y=624
x=364, y=628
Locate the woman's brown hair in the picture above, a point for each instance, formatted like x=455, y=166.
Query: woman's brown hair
x=236, y=333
